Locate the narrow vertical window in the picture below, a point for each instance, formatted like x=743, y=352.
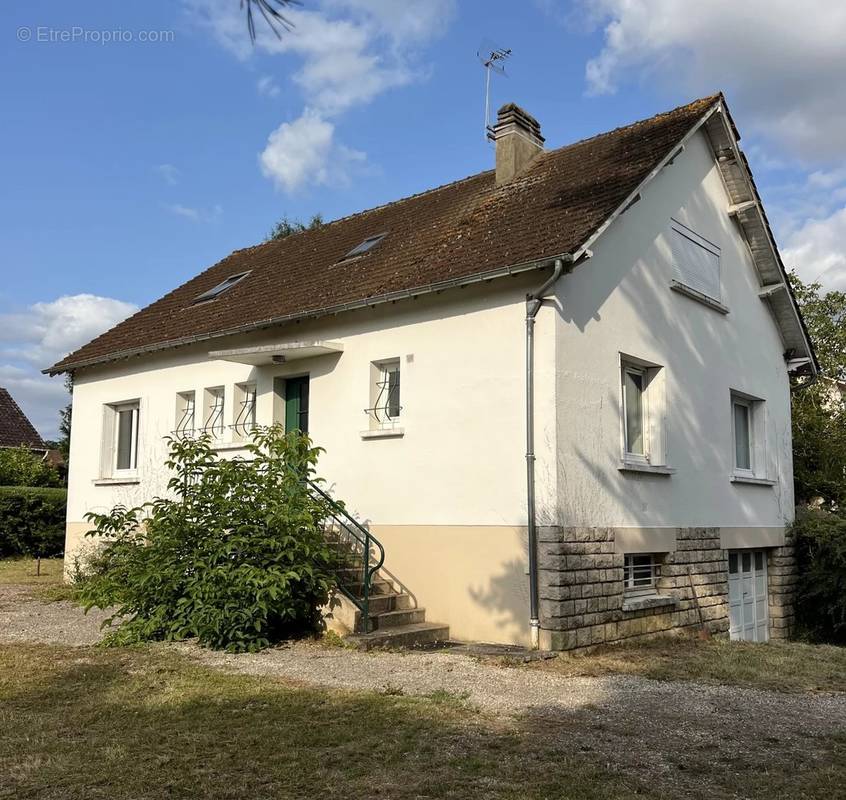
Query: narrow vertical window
x=126, y=437
x=385, y=406
x=245, y=420
x=185, y=414
x=742, y=435
x=634, y=385
x=213, y=424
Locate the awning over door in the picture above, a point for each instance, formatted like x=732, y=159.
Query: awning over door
x=267, y=354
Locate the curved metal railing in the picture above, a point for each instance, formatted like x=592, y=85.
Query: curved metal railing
x=359, y=554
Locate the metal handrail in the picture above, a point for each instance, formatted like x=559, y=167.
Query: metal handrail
x=367, y=541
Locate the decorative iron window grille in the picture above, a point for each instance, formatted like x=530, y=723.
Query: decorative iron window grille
x=185, y=423
x=640, y=572
x=214, y=421
x=246, y=419
x=387, y=408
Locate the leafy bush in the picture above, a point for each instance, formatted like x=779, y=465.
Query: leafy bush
x=820, y=541
x=32, y=521
x=236, y=557
x=19, y=466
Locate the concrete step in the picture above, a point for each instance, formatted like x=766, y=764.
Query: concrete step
x=414, y=635
x=393, y=619
x=382, y=603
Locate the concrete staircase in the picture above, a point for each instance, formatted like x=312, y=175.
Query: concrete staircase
x=395, y=619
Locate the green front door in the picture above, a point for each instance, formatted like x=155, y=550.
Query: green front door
x=296, y=404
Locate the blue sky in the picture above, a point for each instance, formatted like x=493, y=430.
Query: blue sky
x=128, y=165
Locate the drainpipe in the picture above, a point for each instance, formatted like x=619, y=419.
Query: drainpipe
x=533, y=303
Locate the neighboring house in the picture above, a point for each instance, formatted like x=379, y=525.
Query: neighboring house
x=15, y=429
x=609, y=458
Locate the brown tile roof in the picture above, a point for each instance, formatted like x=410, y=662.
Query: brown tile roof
x=463, y=229
x=15, y=428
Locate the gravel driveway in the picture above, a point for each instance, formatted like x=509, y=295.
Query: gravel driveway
x=649, y=729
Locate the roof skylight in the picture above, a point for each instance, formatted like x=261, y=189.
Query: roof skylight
x=366, y=246
x=218, y=290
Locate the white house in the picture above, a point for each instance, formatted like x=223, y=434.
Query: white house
x=556, y=392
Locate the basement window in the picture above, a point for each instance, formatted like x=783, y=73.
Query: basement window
x=640, y=571
x=365, y=247
x=223, y=286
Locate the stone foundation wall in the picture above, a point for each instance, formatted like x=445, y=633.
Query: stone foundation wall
x=782, y=578
x=582, y=598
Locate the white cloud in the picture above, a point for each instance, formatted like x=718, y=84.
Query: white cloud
x=817, y=250
x=349, y=52
x=195, y=214
x=169, y=173
x=267, y=87
x=781, y=61
x=304, y=151
x=37, y=337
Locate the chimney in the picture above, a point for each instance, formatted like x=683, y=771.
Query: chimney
x=518, y=140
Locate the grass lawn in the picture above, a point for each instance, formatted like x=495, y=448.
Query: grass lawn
x=146, y=723
x=22, y=571
x=778, y=666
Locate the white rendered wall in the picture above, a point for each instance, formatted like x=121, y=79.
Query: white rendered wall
x=620, y=301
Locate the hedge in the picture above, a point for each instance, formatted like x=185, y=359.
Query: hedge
x=820, y=541
x=32, y=521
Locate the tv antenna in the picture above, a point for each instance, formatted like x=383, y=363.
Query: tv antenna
x=493, y=59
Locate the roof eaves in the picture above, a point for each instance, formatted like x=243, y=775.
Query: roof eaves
x=367, y=302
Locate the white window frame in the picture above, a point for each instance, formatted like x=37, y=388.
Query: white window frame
x=377, y=411
x=246, y=400
x=186, y=413
x=634, y=586
x=629, y=455
x=757, y=425
x=210, y=395
x=653, y=414
x=110, y=450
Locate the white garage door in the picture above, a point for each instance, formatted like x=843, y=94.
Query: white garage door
x=748, y=613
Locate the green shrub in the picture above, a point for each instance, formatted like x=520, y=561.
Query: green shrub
x=19, y=466
x=820, y=540
x=32, y=521
x=236, y=556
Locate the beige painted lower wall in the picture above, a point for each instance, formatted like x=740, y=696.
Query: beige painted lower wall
x=473, y=578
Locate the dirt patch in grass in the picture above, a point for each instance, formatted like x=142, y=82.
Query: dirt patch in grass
x=777, y=666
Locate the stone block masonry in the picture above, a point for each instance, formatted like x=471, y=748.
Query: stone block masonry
x=583, y=602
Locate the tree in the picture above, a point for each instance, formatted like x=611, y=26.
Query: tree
x=19, y=466
x=286, y=227
x=236, y=555
x=818, y=409
x=65, y=423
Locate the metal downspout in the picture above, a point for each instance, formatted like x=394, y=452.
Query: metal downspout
x=533, y=304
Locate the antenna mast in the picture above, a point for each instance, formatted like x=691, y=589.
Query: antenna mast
x=493, y=59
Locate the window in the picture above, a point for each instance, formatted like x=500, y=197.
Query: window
x=185, y=414
x=742, y=434
x=748, y=435
x=640, y=573
x=119, y=455
x=213, y=423
x=696, y=261
x=634, y=411
x=218, y=290
x=245, y=398
x=642, y=395
x=366, y=246
x=385, y=407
